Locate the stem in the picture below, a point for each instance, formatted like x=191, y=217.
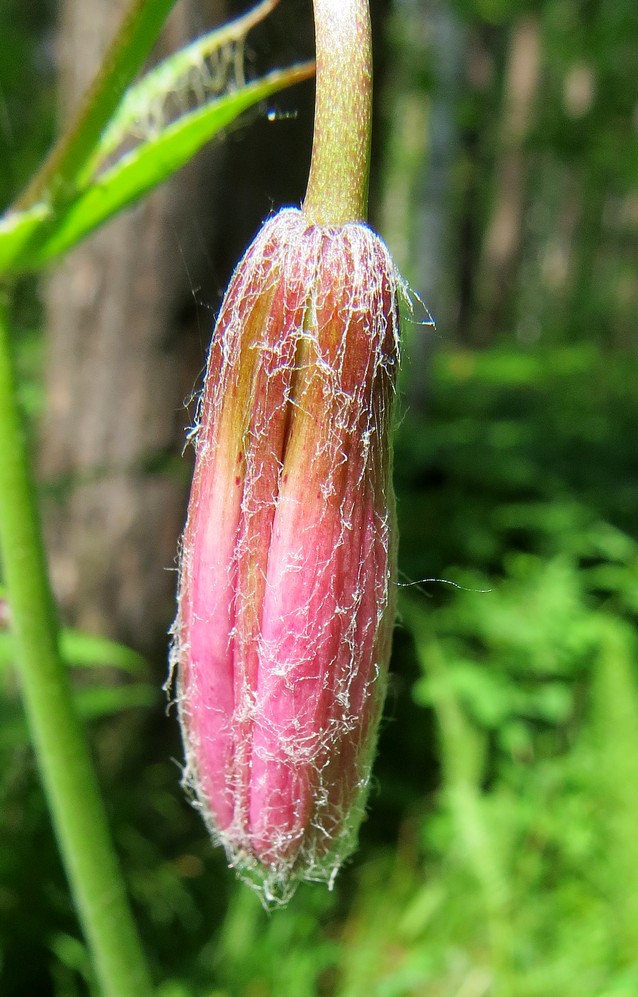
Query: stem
x=61, y=749
x=338, y=183
x=123, y=59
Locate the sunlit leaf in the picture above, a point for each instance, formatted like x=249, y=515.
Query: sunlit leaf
x=208, y=67
x=150, y=164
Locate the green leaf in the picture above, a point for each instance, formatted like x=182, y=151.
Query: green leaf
x=152, y=163
x=81, y=650
x=102, y=701
x=208, y=67
x=125, y=56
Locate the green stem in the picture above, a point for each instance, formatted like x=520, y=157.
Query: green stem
x=124, y=58
x=60, y=745
x=338, y=182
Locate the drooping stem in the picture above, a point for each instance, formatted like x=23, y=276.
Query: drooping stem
x=338, y=182
x=60, y=745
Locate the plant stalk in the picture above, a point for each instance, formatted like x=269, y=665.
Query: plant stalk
x=61, y=749
x=339, y=171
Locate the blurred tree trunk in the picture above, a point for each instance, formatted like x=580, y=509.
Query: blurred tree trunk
x=418, y=208
x=504, y=232
x=433, y=210
x=123, y=355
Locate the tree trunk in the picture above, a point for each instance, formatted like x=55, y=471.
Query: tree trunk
x=504, y=232
x=418, y=215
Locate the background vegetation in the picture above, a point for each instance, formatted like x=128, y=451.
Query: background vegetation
x=500, y=853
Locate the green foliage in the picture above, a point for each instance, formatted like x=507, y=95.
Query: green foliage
x=36, y=922
x=99, y=695
x=523, y=472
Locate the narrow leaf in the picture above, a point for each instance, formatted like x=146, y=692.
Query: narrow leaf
x=124, y=58
x=206, y=68
x=153, y=162
x=82, y=650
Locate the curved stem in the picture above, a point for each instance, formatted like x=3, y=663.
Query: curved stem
x=338, y=182
x=60, y=745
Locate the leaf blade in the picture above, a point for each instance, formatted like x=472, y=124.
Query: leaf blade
x=150, y=164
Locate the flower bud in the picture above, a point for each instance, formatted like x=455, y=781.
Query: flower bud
x=288, y=561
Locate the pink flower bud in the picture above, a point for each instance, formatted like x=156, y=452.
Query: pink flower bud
x=288, y=562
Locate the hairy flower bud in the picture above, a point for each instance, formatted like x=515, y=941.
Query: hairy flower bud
x=287, y=571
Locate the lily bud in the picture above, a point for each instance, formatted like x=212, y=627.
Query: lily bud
x=288, y=561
